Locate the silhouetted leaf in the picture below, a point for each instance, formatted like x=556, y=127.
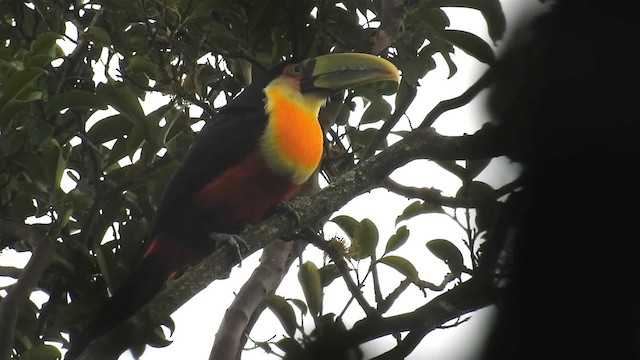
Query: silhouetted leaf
x=74, y=99
x=283, y=311
x=376, y=111
x=109, y=128
x=402, y=265
x=365, y=240
x=360, y=139
x=418, y=208
x=471, y=44
x=447, y=252
x=309, y=278
x=328, y=273
x=98, y=35
x=120, y=98
x=19, y=83
x=291, y=347
x=42, y=352
x=347, y=224
x=477, y=191
x=300, y=305
x=398, y=239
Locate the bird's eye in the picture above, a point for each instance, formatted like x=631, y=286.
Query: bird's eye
x=295, y=69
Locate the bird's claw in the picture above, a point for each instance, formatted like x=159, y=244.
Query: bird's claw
x=234, y=240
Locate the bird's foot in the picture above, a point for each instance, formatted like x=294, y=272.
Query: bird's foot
x=293, y=208
x=232, y=239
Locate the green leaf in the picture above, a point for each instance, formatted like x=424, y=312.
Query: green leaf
x=328, y=273
x=477, y=191
x=347, y=224
x=493, y=15
x=447, y=252
x=98, y=35
x=53, y=162
x=123, y=100
x=437, y=18
x=118, y=5
x=471, y=44
x=300, y=305
x=364, y=235
x=378, y=110
x=418, y=208
x=21, y=206
x=487, y=207
x=74, y=99
x=158, y=135
x=283, y=311
x=42, y=50
x=311, y=283
x=19, y=83
x=362, y=139
x=292, y=348
x=406, y=94
x=143, y=64
x=109, y=128
x=402, y=265
x=453, y=69
x=264, y=345
x=397, y=240
x=365, y=239
x=43, y=42
x=13, y=107
x=41, y=352
x=491, y=11
x=344, y=113
x=137, y=36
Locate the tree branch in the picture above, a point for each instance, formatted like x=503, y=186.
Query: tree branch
x=393, y=15
x=264, y=280
x=18, y=295
x=434, y=196
x=420, y=144
x=469, y=296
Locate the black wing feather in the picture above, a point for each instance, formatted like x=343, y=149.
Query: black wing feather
x=222, y=143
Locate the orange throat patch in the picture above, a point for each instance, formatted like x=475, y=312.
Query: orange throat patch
x=292, y=143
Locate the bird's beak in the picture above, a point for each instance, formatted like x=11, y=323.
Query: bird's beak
x=331, y=73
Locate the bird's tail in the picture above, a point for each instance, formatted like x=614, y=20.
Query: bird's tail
x=146, y=280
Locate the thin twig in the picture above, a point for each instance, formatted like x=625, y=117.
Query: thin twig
x=384, y=131
x=466, y=97
x=338, y=259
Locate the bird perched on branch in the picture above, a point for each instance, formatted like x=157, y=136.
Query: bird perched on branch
x=255, y=154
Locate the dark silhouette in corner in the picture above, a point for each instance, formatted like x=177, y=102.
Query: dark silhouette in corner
x=567, y=96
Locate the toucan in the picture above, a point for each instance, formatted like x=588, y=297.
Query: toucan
x=255, y=154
